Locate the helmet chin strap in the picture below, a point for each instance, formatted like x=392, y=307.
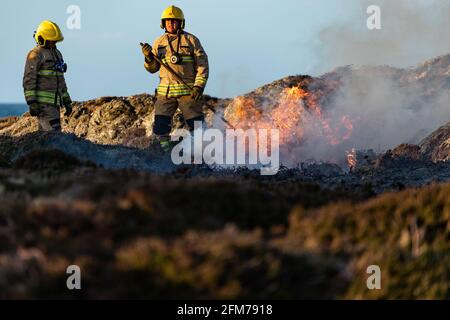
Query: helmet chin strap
x=40, y=41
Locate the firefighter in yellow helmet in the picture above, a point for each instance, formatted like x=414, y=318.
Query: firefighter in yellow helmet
x=43, y=80
x=183, y=52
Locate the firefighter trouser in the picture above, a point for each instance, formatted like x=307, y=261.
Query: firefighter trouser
x=49, y=118
x=165, y=108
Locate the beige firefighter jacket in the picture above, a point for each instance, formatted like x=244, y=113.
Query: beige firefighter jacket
x=41, y=82
x=193, y=68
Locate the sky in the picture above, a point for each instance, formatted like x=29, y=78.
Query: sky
x=249, y=43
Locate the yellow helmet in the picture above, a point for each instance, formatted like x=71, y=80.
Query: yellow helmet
x=48, y=31
x=172, y=12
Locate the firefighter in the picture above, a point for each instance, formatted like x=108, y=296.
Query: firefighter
x=184, y=54
x=43, y=80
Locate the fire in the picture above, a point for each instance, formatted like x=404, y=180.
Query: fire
x=293, y=113
x=351, y=158
x=349, y=125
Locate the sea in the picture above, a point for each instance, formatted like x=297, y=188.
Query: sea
x=12, y=109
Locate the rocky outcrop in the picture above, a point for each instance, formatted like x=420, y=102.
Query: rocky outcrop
x=123, y=121
x=434, y=148
x=127, y=121
x=107, y=120
x=437, y=145
x=8, y=121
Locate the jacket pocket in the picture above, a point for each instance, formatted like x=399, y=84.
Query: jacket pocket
x=162, y=52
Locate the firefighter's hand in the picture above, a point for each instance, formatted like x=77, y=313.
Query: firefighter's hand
x=147, y=51
x=35, y=109
x=197, y=93
x=68, y=111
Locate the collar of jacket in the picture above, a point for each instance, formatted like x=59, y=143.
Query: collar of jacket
x=179, y=32
x=173, y=37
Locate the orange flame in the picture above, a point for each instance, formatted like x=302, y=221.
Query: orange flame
x=290, y=114
x=351, y=158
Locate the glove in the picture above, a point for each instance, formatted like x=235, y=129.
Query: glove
x=197, y=93
x=68, y=111
x=35, y=109
x=147, y=51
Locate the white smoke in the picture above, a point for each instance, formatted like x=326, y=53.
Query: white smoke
x=384, y=111
x=386, y=107
x=411, y=32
